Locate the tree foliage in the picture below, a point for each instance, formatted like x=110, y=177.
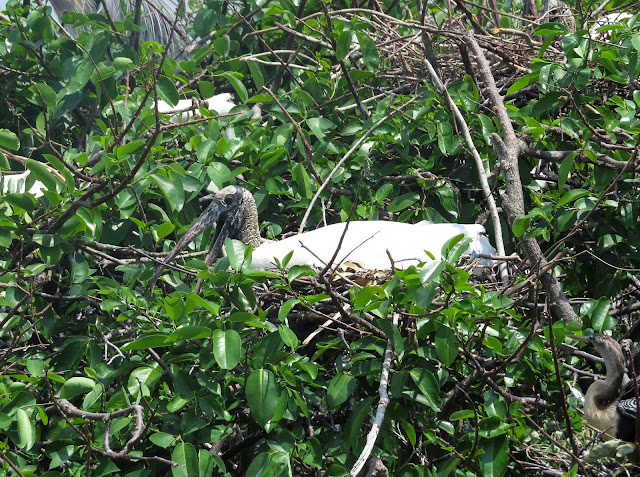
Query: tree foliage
x=280, y=373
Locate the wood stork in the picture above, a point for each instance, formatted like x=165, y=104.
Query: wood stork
x=600, y=29
x=603, y=407
x=17, y=183
x=556, y=11
x=184, y=110
x=366, y=243
x=157, y=16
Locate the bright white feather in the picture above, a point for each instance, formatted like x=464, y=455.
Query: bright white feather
x=366, y=243
x=18, y=183
x=220, y=103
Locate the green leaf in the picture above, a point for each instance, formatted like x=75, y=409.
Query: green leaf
x=340, y=388
x=167, y=91
x=428, y=386
x=240, y=89
x=343, y=45
x=550, y=101
x=298, y=271
x=189, y=332
x=565, y=167
x=75, y=386
x=572, y=196
x=369, y=50
x=206, y=150
x=256, y=74
x=403, y=201
x=288, y=336
x=599, y=314
x=162, y=439
x=172, y=189
x=227, y=348
x=9, y=140
x=26, y=430
x=270, y=464
x=300, y=175
x=35, y=367
x=431, y=271
x=222, y=45
x=523, y=82
x=39, y=170
x=122, y=63
x=262, y=393
x=353, y=428
x=286, y=308
x=521, y=224
x=494, y=460
x=455, y=247
x=462, y=414
x=446, y=345
x=148, y=340
x=47, y=93
x=186, y=457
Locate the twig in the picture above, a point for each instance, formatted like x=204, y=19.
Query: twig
x=353, y=149
x=382, y=407
x=480, y=166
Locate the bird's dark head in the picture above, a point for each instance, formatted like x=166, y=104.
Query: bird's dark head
x=233, y=211
x=605, y=345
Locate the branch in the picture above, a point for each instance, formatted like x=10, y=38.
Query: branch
x=508, y=151
x=480, y=166
x=382, y=407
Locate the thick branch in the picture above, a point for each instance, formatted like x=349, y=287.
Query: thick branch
x=508, y=151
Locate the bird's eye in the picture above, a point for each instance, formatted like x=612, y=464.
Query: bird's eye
x=228, y=200
x=591, y=338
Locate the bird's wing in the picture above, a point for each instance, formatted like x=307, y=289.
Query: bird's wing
x=628, y=408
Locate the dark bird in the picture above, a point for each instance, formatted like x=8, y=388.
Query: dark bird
x=556, y=11
x=366, y=243
x=603, y=407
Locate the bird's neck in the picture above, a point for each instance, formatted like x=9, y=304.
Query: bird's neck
x=609, y=389
x=249, y=232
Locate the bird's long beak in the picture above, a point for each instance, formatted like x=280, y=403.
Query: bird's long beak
x=208, y=217
x=584, y=339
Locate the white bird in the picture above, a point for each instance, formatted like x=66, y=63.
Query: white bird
x=366, y=243
x=183, y=111
x=599, y=30
x=18, y=183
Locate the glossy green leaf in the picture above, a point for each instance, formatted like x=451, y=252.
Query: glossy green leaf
x=446, y=345
x=288, y=336
x=172, y=189
x=572, y=196
x=227, y=348
x=9, y=139
x=75, y=386
x=167, y=90
x=494, y=460
x=186, y=457
x=26, y=430
x=428, y=386
x=262, y=392
x=42, y=173
x=343, y=44
x=340, y=389
x=520, y=225
x=370, y=54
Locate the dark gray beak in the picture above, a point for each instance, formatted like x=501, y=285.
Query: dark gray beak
x=222, y=211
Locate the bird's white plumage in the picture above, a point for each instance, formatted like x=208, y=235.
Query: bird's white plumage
x=220, y=103
x=18, y=183
x=366, y=243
